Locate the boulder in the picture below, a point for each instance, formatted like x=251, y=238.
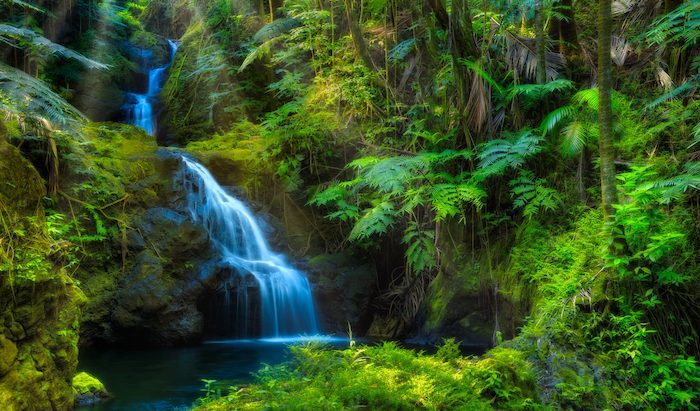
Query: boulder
x=88, y=390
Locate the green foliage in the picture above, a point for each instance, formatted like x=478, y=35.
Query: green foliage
x=388, y=377
x=497, y=156
x=532, y=196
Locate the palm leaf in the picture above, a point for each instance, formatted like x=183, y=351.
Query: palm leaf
x=554, y=119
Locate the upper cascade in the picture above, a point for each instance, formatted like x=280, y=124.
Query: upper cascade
x=139, y=107
x=286, y=304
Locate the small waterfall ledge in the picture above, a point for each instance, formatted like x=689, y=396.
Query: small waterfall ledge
x=139, y=107
x=284, y=304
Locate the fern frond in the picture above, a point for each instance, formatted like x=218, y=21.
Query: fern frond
x=377, y=220
x=401, y=50
x=496, y=156
x=696, y=136
x=34, y=98
x=536, y=92
x=531, y=195
x=258, y=53
x=11, y=35
x=275, y=29
x=691, y=84
x=421, y=253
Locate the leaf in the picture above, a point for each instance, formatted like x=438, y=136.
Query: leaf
x=376, y=220
x=476, y=68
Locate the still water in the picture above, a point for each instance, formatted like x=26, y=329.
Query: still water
x=171, y=379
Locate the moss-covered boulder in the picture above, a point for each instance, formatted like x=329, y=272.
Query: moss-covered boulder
x=88, y=390
x=21, y=186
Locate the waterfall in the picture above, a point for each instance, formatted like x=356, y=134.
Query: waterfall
x=139, y=107
x=286, y=303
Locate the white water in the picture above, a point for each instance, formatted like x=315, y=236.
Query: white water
x=139, y=107
x=287, y=307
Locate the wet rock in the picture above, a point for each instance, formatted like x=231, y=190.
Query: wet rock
x=342, y=292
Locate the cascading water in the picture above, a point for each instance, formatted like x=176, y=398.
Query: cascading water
x=139, y=107
x=286, y=303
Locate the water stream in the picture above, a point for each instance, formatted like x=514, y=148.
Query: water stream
x=139, y=107
x=268, y=303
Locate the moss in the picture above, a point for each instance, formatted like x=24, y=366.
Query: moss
x=84, y=383
x=21, y=186
x=8, y=354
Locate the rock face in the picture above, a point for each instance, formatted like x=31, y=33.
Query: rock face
x=143, y=282
x=39, y=303
x=342, y=293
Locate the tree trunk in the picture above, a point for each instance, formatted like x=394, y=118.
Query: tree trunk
x=356, y=33
x=463, y=46
x=564, y=30
x=606, y=144
x=541, y=46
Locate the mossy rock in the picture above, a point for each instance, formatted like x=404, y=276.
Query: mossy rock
x=88, y=390
x=21, y=186
x=8, y=355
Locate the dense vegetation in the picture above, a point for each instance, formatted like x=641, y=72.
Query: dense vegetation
x=541, y=157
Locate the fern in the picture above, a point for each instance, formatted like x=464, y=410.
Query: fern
x=448, y=200
x=376, y=220
x=674, y=188
x=401, y=50
x=496, y=156
x=530, y=194
x=33, y=98
x=12, y=35
x=421, y=254
x=275, y=29
x=536, y=92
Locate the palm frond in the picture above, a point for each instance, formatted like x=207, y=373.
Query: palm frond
x=574, y=138
x=690, y=85
x=553, y=120
x=521, y=55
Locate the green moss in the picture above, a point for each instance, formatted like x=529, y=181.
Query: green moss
x=84, y=383
x=8, y=354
